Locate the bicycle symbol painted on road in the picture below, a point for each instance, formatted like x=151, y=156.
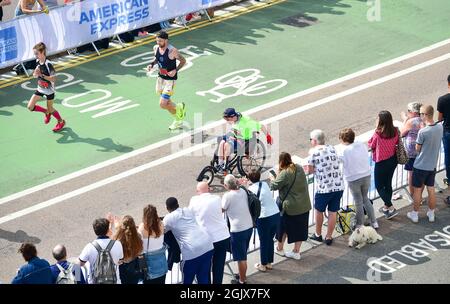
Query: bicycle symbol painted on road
x=243, y=82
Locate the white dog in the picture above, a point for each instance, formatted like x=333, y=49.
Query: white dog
x=362, y=236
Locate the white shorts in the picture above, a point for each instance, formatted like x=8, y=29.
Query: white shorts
x=164, y=87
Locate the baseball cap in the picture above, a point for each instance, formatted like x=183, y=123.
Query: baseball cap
x=230, y=112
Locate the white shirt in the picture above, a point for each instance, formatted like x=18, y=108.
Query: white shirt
x=152, y=244
x=356, y=161
x=235, y=203
x=208, y=212
x=268, y=205
x=192, y=239
x=89, y=254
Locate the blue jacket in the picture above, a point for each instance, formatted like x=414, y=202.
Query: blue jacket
x=36, y=271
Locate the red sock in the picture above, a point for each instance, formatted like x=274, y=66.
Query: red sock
x=39, y=109
x=56, y=115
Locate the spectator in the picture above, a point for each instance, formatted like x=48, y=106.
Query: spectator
x=208, y=212
x=443, y=108
x=329, y=184
x=411, y=126
x=295, y=205
x=357, y=174
x=196, y=246
x=152, y=232
x=90, y=252
x=62, y=265
x=268, y=221
x=424, y=172
x=25, y=7
x=36, y=271
x=383, y=144
x=2, y=4
x=235, y=204
x=127, y=234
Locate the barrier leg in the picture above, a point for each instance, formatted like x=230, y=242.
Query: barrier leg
x=95, y=48
x=207, y=15
x=120, y=41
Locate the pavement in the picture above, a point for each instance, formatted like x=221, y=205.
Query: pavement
x=53, y=185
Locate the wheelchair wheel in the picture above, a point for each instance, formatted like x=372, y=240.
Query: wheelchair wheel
x=206, y=175
x=254, y=161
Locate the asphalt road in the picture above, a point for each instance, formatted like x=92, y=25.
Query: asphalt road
x=69, y=221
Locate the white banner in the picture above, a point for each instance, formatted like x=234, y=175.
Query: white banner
x=84, y=22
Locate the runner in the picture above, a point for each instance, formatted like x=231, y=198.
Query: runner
x=166, y=57
x=45, y=73
x=241, y=136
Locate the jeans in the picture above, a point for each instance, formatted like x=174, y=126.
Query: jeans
x=199, y=268
x=156, y=263
x=129, y=272
x=446, y=142
x=384, y=171
x=158, y=281
x=218, y=260
x=359, y=190
x=267, y=228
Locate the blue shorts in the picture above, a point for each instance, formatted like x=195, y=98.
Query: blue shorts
x=409, y=165
x=422, y=177
x=239, y=244
x=330, y=201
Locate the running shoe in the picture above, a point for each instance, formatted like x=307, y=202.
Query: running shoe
x=176, y=124
x=181, y=110
x=47, y=118
x=390, y=213
x=59, y=126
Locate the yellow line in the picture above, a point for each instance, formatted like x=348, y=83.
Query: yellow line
x=91, y=57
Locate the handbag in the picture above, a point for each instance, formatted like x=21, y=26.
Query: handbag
x=279, y=200
x=400, y=151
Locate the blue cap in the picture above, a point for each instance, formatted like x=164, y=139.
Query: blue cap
x=230, y=112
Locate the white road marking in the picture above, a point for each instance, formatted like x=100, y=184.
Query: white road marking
x=216, y=124
x=189, y=150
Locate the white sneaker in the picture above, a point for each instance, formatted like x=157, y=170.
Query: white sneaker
x=279, y=252
x=176, y=124
x=431, y=216
x=375, y=225
x=413, y=216
x=292, y=255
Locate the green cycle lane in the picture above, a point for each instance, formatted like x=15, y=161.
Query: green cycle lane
x=111, y=108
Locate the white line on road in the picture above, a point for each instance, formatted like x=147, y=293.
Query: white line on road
x=216, y=124
x=189, y=150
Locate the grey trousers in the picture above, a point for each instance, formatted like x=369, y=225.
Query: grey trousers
x=359, y=190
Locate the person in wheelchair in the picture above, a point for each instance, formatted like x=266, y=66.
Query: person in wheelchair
x=242, y=138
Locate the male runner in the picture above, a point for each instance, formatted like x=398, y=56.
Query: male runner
x=166, y=57
x=45, y=73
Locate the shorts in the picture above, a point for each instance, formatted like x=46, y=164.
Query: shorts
x=409, y=165
x=164, y=87
x=240, y=145
x=330, y=201
x=48, y=96
x=239, y=244
x=422, y=177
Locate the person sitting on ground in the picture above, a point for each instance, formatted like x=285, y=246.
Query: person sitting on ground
x=25, y=7
x=36, y=271
x=60, y=269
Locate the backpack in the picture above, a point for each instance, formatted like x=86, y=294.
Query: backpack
x=104, y=271
x=66, y=276
x=254, y=204
x=346, y=220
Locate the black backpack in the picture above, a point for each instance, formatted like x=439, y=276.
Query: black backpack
x=254, y=203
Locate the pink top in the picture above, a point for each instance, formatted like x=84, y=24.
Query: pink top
x=382, y=148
